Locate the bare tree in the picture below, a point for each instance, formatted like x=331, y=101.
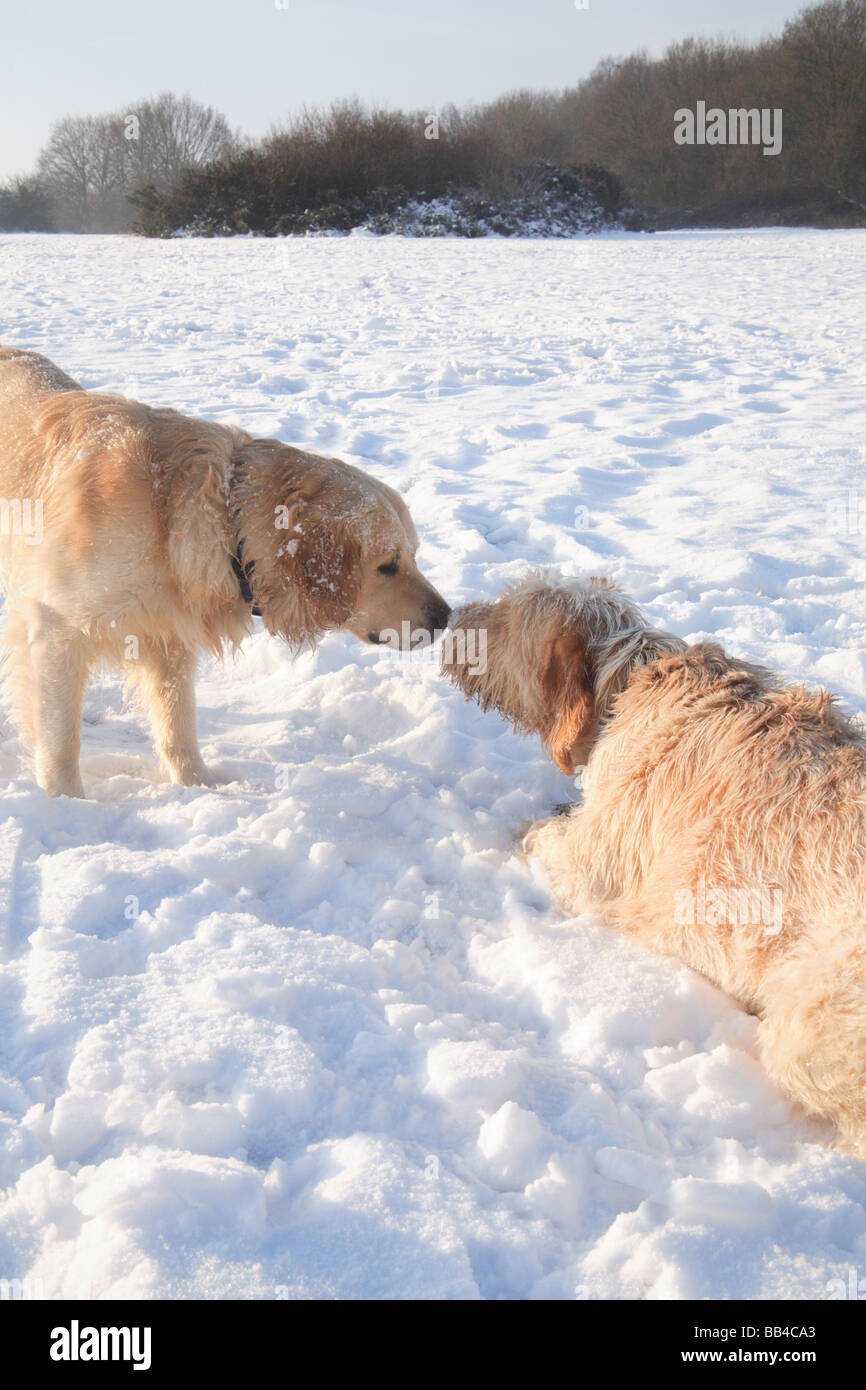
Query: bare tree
x=81, y=168
x=92, y=164
x=169, y=134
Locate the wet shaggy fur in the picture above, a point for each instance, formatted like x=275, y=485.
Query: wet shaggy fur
x=723, y=818
x=142, y=511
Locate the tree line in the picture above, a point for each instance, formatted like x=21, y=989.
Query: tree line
x=170, y=164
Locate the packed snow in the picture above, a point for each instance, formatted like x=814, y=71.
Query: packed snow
x=319, y=1032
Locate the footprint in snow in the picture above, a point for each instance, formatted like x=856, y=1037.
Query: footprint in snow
x=697, y=424
x=527, y=431
x=766, y=407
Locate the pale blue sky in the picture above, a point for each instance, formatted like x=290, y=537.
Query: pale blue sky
x=258, y=62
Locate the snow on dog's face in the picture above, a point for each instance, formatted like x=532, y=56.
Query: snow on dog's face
x=556, y=655
x=334, y=548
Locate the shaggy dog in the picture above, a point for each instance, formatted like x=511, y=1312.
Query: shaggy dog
x=139, y=536
x=723, y=819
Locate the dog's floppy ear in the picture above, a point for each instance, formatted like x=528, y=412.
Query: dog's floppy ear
x=568, y=698
x=314, y=581
x=328, y=558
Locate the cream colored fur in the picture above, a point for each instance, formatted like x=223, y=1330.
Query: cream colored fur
x=142, y=510
x=711, y=783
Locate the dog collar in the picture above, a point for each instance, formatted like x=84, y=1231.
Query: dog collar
x=243, y=574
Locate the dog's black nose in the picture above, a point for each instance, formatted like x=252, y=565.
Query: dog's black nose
x=437, y=613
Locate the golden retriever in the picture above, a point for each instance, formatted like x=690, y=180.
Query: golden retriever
x=723, y=818
x=139, y=536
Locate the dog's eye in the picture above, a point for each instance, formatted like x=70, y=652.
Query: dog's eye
x=390, y=568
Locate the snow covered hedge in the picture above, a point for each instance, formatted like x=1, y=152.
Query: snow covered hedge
x=538, y=199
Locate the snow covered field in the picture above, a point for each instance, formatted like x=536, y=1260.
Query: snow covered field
x=318, y=1032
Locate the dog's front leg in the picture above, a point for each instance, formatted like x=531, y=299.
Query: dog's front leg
x=166, y=675
x=58, y=663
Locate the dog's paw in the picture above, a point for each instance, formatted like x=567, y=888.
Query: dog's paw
x=543, y=839
x=530, y=832
x=190, y=772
